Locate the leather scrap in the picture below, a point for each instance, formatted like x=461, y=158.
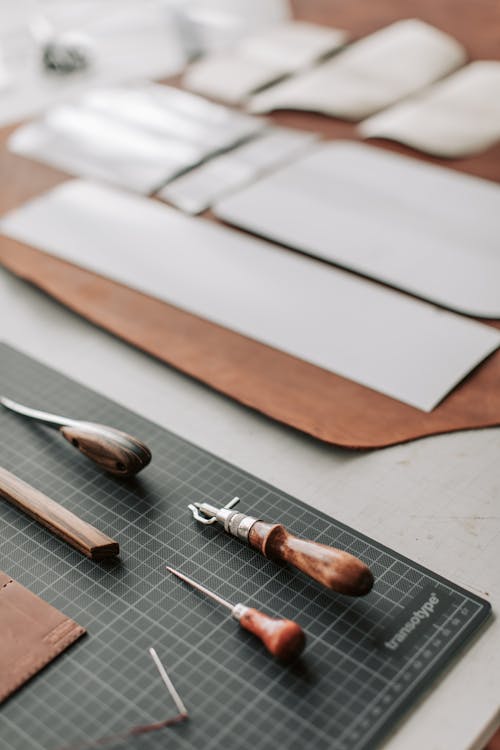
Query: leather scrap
x=32, y=634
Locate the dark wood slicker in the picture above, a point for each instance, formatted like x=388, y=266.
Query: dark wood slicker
x=334, y=568
x=63, y=523
x=284, y=639
x=287, y=389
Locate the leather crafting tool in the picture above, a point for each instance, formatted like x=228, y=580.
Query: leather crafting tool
x=284, y=639
x=334, y=568
x=113, y=450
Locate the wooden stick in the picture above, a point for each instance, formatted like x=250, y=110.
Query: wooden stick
x=62, y=522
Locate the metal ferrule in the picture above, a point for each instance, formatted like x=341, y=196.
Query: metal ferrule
x=235, y=523
x=243, y=526
x=239, y=525
x=238, y=611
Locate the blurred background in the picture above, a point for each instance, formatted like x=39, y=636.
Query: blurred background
x=114, y=41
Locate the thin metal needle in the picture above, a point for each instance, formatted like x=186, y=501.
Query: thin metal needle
x=201, y=588
x=168, y=683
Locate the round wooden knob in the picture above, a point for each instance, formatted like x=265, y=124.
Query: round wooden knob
x=284, y=639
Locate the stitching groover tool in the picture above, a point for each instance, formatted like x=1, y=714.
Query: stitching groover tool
x=334, y=568
x=113, y=450
x=283, y=638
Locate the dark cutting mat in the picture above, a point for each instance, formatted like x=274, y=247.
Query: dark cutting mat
x=346, y=692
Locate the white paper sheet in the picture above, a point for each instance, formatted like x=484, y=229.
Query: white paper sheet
x=293, y=45
x=378, y=337
x=262, y=59
x=219, y=24
x=230, y=78
x=168, y=112
x=199, y=188
x=138, y=137
x=427, y=230
x=84, y=143
x=454, y=118
x=370, y=74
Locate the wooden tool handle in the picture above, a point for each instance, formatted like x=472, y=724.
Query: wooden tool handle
x=332, y=567
x=80, y=534
x=113, y=450
x=284, y=639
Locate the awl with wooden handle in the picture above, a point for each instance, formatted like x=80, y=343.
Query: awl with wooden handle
x=284, y=639
x=334, y=568
x=62, y=522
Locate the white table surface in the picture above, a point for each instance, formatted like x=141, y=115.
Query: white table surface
x=435, y=500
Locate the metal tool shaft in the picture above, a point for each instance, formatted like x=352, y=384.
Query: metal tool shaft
x=201, y=588
x=51, y=420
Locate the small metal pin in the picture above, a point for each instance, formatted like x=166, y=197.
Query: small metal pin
x=168, y=683
x=182, y=714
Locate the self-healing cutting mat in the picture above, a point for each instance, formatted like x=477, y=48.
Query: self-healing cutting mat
x=366, y=659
